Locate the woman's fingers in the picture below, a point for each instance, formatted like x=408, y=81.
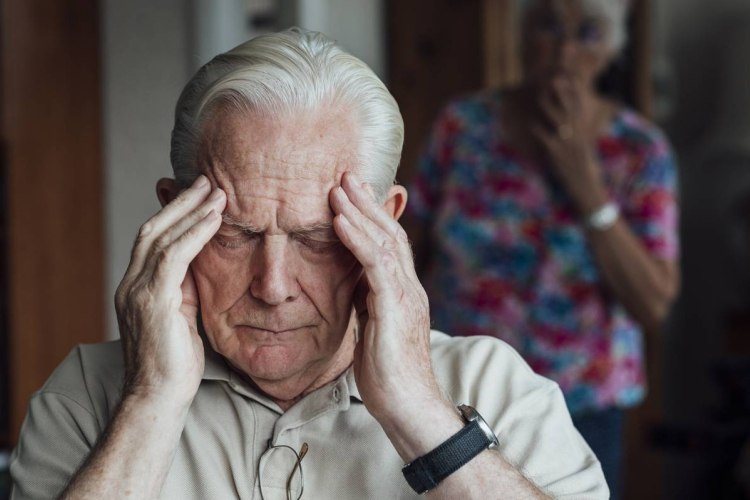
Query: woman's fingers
x=183, y=204
x=548, y=139
x=552, y=113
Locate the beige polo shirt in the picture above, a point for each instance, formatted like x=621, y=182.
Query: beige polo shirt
x=230, y=427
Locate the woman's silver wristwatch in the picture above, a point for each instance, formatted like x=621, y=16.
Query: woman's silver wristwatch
x=427, y=471
x=603, y=217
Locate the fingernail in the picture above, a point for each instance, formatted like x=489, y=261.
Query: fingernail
x=341, y=191
x=353, y=178
x=201, y=181
x=344, y=220
x=216, y=195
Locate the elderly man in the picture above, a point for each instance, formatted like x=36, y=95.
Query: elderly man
x=276, y=339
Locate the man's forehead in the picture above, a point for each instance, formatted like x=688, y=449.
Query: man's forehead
x=309, y=146
x=278, y=168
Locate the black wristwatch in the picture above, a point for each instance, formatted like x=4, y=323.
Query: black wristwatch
x=427, y=471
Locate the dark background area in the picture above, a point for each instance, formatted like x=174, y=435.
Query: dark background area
x=86, y=95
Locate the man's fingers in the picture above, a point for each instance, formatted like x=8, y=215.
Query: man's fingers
x=176, y=258
x=342, y=204
x=190, y=298
x=216, y=202
x=183, y=204
x=379, y=264
x=366, y=203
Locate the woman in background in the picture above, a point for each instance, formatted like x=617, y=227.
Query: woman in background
x=546, y=215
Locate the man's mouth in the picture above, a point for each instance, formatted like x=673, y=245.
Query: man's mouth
x=273, y=331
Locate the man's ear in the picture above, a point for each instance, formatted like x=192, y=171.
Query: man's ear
x=166, y=190
x=395, y=202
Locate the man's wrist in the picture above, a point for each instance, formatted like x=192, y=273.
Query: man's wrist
x=420, y=428
x=153, y=403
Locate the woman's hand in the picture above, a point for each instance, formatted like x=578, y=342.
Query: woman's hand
x=392, y=363
x=157, y=301
x=569, y=143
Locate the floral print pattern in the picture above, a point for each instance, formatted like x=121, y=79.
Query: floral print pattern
x=510, y=257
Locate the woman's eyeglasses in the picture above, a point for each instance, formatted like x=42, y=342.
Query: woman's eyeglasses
x=587, y=33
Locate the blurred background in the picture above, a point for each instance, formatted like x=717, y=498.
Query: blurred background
x=87, y=95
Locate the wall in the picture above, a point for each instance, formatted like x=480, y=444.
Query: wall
x=145, y=66
x=357, y=24
x=704, y=48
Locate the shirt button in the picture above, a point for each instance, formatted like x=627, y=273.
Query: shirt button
x=336, y=395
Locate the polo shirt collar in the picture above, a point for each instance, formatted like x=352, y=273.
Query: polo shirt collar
x=352, y=383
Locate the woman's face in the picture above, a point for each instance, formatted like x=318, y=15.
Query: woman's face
x=561, y=40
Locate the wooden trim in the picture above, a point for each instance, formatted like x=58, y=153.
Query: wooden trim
x=51, y=125
x=501, y=59
x=435, y=53
x=643, y=91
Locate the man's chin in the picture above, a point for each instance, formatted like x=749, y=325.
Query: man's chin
x=270, y=363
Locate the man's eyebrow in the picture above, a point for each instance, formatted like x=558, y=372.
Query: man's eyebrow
x=314, y=229
x=323, y=228
x=245, y=226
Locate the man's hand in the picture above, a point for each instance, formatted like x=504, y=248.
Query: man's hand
x=157, y=301
x=569, y=144
x=392, y=362
x=157, y=310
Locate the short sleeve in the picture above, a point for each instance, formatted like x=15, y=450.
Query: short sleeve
x=527, y=412
x=651, y=205
x=537, y=435
x=57, y=435
x=426, y=188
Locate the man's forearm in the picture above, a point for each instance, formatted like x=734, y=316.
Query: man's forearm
x=133, y=455
x=487, y=476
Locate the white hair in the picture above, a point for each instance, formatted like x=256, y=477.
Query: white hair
x=291, y=72
x=614, y=12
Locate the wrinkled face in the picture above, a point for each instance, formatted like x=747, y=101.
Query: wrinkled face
x=275, y=284
x=561, y=39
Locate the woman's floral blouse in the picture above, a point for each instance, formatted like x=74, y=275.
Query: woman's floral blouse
x=510, y=257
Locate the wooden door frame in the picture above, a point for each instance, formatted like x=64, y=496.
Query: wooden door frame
x=51, y=130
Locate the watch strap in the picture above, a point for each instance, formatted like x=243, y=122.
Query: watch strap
x=427, y=471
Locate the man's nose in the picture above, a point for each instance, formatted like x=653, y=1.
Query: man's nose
x=275, y=280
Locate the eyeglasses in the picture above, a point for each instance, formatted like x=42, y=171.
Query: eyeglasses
x=551, y=26
x=279, y=456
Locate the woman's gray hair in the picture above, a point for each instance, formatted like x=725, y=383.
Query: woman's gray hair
x=614, y=12
x=291, y=72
